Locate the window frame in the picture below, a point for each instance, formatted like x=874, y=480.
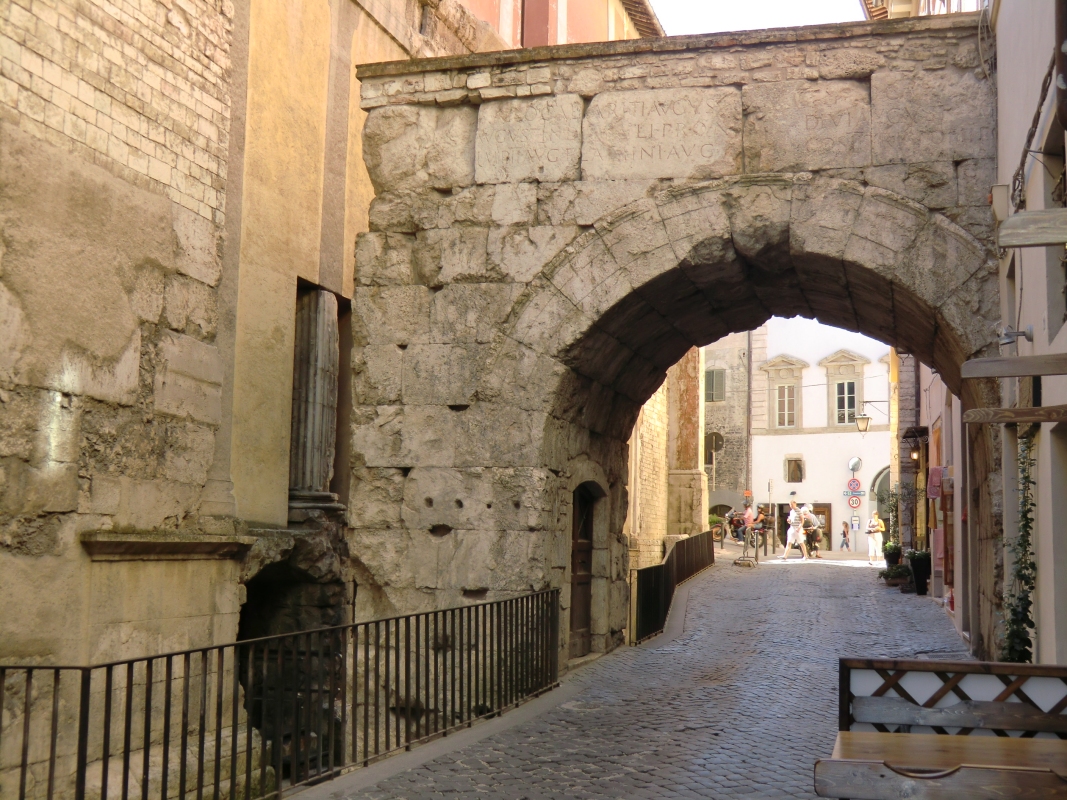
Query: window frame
x=787, y=412
x=710, y=385
x=841, y=405
x=787, y=464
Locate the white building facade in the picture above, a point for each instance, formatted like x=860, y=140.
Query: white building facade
x=810, y=381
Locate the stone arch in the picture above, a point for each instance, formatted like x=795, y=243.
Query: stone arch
x=597, y=328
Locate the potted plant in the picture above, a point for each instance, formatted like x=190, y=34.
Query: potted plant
x=895, y=575
x=891, y=551
x=919, y=560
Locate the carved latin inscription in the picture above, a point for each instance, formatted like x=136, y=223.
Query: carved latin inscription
x=794, y=126
x=523, y=139
x=667, y=133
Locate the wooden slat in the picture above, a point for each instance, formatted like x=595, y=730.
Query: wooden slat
x=968, y=667
x=876, y=780
x=1015, y=366
x=1034, y=228
x=1019, y=416
x=971, y=714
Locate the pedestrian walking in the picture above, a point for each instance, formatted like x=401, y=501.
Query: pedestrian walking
x=812, y=532
x=875, y=529
x=795, y=533
x=844, y=537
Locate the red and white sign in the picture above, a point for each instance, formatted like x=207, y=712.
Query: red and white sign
x=854, y=485
x=854, y=502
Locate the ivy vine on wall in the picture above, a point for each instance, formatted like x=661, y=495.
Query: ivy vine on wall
x=1019, y=603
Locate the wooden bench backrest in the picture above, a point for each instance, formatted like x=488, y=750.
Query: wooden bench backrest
x=957, y=697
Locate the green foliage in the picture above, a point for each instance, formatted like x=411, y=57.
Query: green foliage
x=713, y=519
x=1018, y=604
x=895, y=571
x=890, y=547
x=893, y=499
x=918, y=555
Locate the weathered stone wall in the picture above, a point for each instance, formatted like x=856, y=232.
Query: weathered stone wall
x=729, y=416
x=552, y=233
x=649, y=512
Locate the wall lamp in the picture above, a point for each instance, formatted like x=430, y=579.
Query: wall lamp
x=863, y=420
x=1008, y=335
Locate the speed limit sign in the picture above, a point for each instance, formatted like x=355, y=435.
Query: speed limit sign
x=854, y=502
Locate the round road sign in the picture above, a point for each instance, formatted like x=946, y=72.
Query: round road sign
x=854, y=485
x=854, y=502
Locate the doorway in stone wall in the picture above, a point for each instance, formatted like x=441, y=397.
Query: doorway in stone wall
x=582, y=570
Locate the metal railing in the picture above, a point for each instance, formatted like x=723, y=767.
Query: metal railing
x=652, y=588
x=251, y=719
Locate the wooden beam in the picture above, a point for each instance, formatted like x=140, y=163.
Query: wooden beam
x=1034, y=228
x=1015, y=366
x=1017, y=416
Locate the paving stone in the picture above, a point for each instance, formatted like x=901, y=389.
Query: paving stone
x=740, y=705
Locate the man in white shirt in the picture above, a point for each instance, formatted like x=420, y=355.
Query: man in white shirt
x=795, y=532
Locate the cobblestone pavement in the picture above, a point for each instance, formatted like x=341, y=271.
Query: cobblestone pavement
x=740, y=705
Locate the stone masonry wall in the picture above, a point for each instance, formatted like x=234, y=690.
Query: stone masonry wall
x=649, y=523
x=554, y=229
x=730, y=416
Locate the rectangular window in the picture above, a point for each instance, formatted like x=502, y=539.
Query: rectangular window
x=846, y=402
x=787, y=406
x=794, y=470
x=715, y=386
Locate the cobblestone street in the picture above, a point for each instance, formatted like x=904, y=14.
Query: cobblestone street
x=739, y=705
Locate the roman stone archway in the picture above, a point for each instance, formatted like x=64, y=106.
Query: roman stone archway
x=554, y=228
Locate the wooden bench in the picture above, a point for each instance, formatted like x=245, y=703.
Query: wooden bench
x=937, y=729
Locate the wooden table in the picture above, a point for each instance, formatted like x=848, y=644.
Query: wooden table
x=885, y=766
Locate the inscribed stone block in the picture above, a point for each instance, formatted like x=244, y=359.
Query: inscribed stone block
x=803, y=125
x=665, y=133
x=529, y=139
x=943, y=115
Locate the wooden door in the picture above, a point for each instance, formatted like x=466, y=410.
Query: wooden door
x=581, y=571
x=822, y=512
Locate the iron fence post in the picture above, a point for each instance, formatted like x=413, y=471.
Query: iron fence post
x=83, y=734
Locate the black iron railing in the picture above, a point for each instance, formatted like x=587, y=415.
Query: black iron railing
x=652, y=588
x=252, y=719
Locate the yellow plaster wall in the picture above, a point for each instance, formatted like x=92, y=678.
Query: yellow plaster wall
x=288, y=79
x=370, y=43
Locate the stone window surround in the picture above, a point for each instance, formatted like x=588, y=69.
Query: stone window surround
x=784, y=370
x=786, y=459
x=842, y=366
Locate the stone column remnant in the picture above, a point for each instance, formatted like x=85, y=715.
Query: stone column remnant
x=687, y=498
x=314, y=422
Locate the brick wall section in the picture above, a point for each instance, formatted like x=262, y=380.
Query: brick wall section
x=135, y=86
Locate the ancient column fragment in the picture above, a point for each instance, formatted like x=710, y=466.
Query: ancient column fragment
x=314, y=422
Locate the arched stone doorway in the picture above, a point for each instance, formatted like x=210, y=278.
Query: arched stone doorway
x=515, y=306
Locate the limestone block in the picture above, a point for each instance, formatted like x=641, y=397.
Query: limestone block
x=529, y=139
x=793, y=126
x=51, y=487
x=943, y=115
x=633, y=234
x=198, y=251
x=413, y=146
x=933, y=185
x=190, y=307
x=942, y=258
x=393, y=314
x=590, y=266
x=976, y=220
x=549, y=322
x=376, y=374
x=383, y=259
x=114, y=381
x=376, y=497
x=698, y=225
x=515, y=204
x=476, y=498
x=471, y=312
x=441, y=256
x=14, y=333
x=585, y=202
x=599, y=592
x=823, y=212
x=391, y=211
x=441, y=374
x=104, y=495
x=521, y=252
x=973, y=311
x=518, y=375
x=188, y=379
x=975, y=179
x=189, y=455
x=146, y=299
x=147, y=504
x=431, y=209
x=851, y=63
x=665, y=133
x=759, y=219
x=21, y=413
